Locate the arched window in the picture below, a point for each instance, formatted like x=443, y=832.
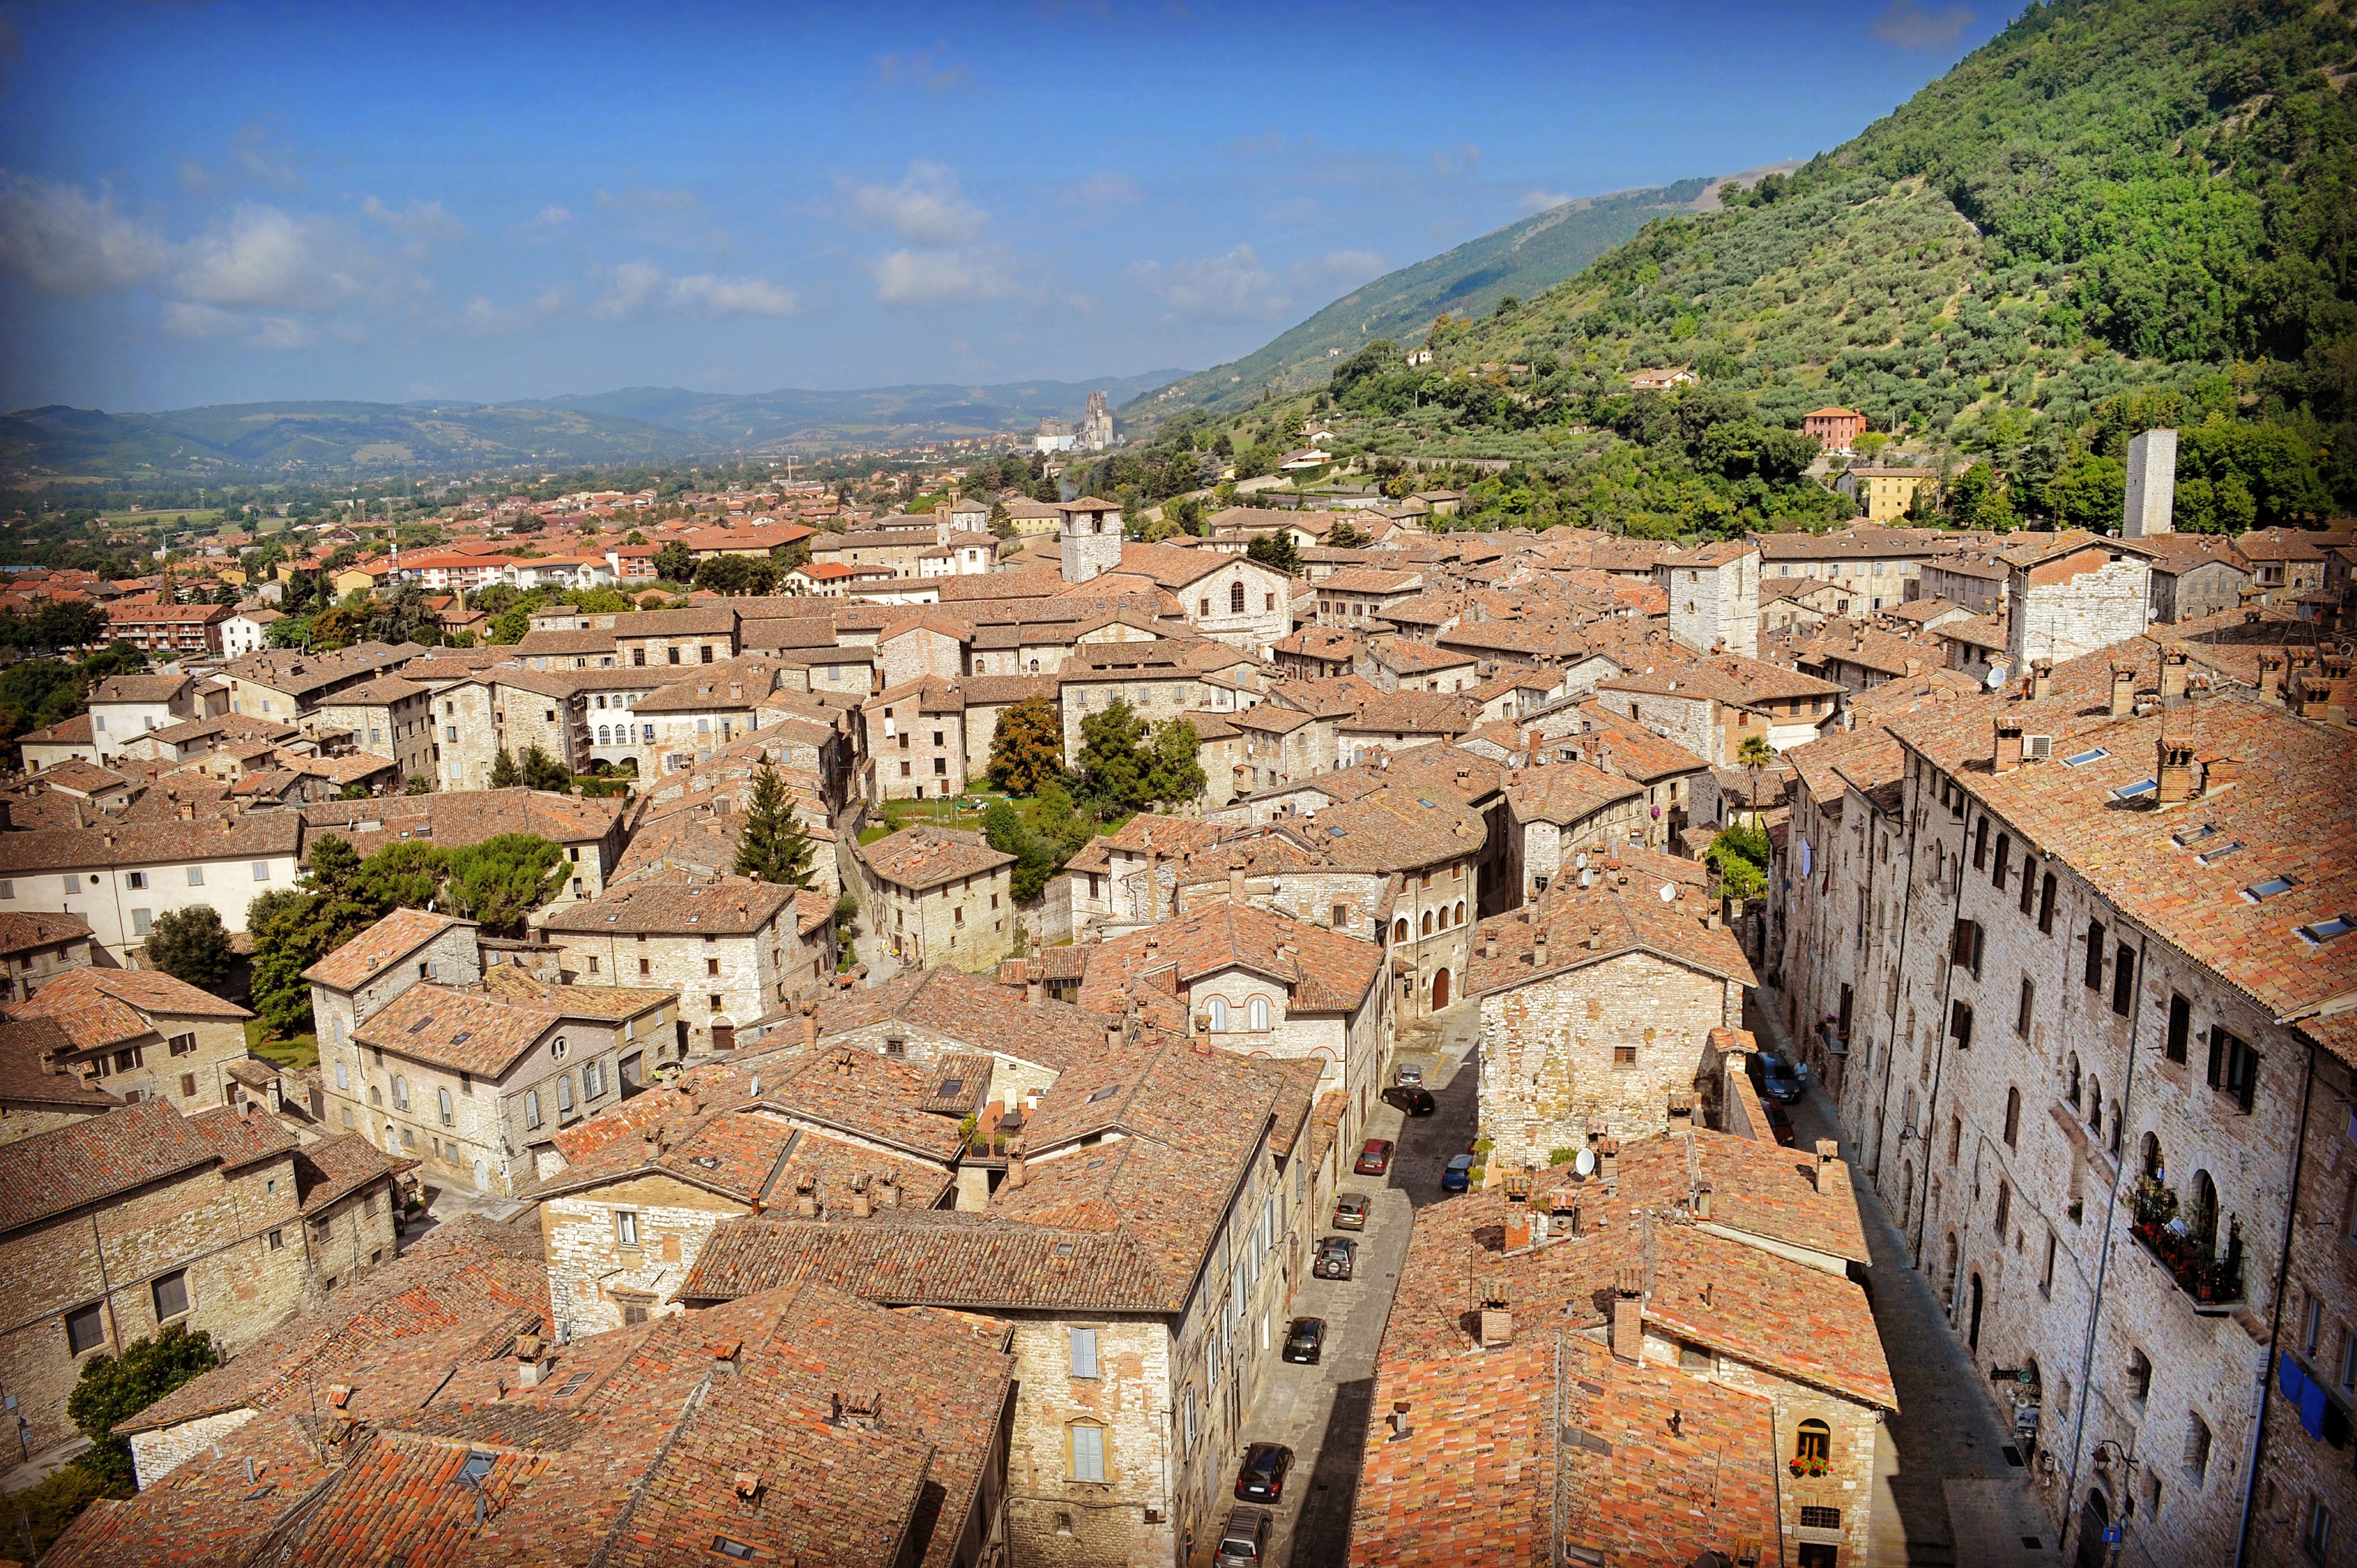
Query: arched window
x=1219, y=1016
x=1459, y=917
x=400, y=1093
x=2071, y=1093
x=2149, y=1160
x=2094, y=1104
x=442, y=1096
x=1235, y=598
x=1259, y=1011
x=1399, y=929
x=2012, y=1118
x=2201, y=1213
x=556, y=1048
x=1428, y=922
x=531, y=1108
x=565, y=1095
x=2119, y=1125
x=1815, y=1443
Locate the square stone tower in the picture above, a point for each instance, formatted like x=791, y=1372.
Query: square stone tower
x=1091, y=537
x=2152, y=485
x=1715, y=597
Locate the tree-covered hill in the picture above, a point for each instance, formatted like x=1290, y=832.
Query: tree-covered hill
x=2116, y=213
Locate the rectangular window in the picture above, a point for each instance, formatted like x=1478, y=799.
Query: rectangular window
x=2316, y=1540
x=262, y=871
x=2046, y=905
x=2233, y=1067
x=1088, y=1453
x=626, y=1228
x=2094, y=973
x=85, y=1328
x=711, y=966
x=1966, y=951
x=2124, y=979
x=2004, y=860
x=2180, y=1027
x=196, y=876
x=565, y=1095
x=135, y=880
x=1960, y=1026
x=141, y=920
x=171, y=1293
x=183, y=1045
x=2052, y=1246
x=1084, y=1352
x=1624, y=1056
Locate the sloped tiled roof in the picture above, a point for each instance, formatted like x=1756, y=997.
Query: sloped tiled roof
x=100, y=1007
x=1623, y=907
x=387, y=943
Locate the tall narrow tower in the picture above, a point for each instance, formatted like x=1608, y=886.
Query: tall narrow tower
x=1091, y=537
x=2152, y=485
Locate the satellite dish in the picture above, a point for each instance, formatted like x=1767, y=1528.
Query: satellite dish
x=1586, y=1162
x=1580, y=859
x=1669, y=893
x=1995, y=678
x=1587, y=878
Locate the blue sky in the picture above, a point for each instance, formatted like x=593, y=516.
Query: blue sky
x=230, y=202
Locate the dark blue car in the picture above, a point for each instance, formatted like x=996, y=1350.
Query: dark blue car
x=1459, y=1176
x=1778, y=1080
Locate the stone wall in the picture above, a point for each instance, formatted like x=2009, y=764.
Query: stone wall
x=587, y=1264
x=722, y=981
x=1606, y=1042
x=466, y=741
x=156, y=1455
x=1053, y=1518
x=2077, y=605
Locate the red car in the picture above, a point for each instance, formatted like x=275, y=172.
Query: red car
x=1375, y=1158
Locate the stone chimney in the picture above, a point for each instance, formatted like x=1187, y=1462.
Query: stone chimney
x=2172, y=672
x=809, y=1028
x=1607, y=1159
x=1702, y=1200
x=529, y=1366
x=2041, y=679
x=1497, y=1320
x=1539, y=947
x=806, y=1195
x=2123, y=689
x=2271, y=677
x=2176, y=770
x=1628, y=1314
x=1236, y=879
x=2008, y=745
x=1402, y=1427
x=889, y=1185
x=1832, y=1174
x=2218, y=771
x=862, y=1205
x=1035, y=989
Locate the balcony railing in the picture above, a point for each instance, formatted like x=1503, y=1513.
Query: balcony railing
x=2215, y=1284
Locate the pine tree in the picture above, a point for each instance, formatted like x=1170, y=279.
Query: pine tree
x=505, y=774
x=774, y=847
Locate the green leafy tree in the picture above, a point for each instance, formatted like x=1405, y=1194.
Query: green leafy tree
x=112, y=1389
x=1035, y=858
x=405, y=875
x=538, y=770
x=1755, y=754
x=191, y=944
x=774, y=847
x=50, y=1505
x=1027, y=747
x=1276, y=550
x=511, y=627
x=1739, y=857
x=502, y=880
x=287, y=940
x=674, y=563
x=1113, y=773
x=1344, y=536
x=115, y=658
x=1174, y=775
x=505, y=774
x=419, y=784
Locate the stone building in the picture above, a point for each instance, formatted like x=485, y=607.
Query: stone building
x=37, y=1094
x=1597, y=1004
x=2083, y=946
x=124, y=707
x=141, y=1035
x=1138, y=1339
x=661, y=639
x=468, y=1071
x=708, y=1436
x=917, y=742
x=943, y=895
x=2195, y=575
x=387, y=717
x=730, y=948
x=1561, y=810
x=1698, y=1382
x=463, y=1277
x=1090, y=533
x=2148, y=506
x=1714, y=593
x=286, y=683
x=35, y=946
x=2073, y=593
x=121, y=876
x=119, y=1226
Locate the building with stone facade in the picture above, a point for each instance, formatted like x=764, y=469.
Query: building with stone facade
x=122, y=1225
x=35, y=946
x=1137, y=1342
x=471, y=1071
x=124, y=707
x=1714, y=598
x=1561, y=811
x=2072, y=593
x=387, y=717
x=121, y=875
x=2074, y=959
x=732, y=949
x=140, y=1035
x=1598, y=1002
x=943, y=895
x=286, y=683
x=37, y=1094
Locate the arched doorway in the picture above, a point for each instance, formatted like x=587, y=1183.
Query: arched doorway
x=1948, y=1276
x=1439, y=990
x=2093, y=1519
x=1973, y=1331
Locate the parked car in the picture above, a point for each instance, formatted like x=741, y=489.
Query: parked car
x=1351, y=1211
x=1459, y=1176
x=1407, y=1097
x=1304, y=1340
x=1261, y=1479
x=1407, y=1074
x=1778, y=1082
x=1245, y=1541
x=1375, y=1157
x=1338, y=1259
x=1779, y=1123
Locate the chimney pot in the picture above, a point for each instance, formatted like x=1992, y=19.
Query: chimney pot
x=2123, y=689
x=2041, y=679
x=2175, y=773
x=2172, y=671
x=2008, y=745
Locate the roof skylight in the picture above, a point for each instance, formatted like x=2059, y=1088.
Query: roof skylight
x=2187, y=837
x=2259, y=891
x=2085, y=757
x=2323, y=932
x=2130, y=791
x=1107, y=1092
x=2212, y=856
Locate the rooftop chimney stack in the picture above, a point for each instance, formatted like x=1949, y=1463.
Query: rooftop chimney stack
x=1628, y=1314
x=2008, y=745
x=1015, y=1176
x=2172, y=672
x=2123, y=689
x=2041, y=679
x=2176, y=770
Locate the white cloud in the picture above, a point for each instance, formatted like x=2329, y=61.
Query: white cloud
x=488, y=320
x=1911, y=26
x=267, y=258
x=925, y=208
x=276, y=332
x=943, y=277
x=639, y=287
x=735, y=296
x=69, y=241
x=1233, y=287
x=1348, y=268
x=285, y=332
x=1462, y=157
x=929, y=69
x=420, y=221
x=1541, y=200
x=549, y=217
x=1102, y=190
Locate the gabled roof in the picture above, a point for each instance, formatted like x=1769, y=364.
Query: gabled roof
x=104, y=1007
x=1622, y=910
x=380, y=948
x=101, y=1158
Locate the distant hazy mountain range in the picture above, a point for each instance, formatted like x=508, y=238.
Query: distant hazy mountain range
x=637, y=423
x=1523, y=259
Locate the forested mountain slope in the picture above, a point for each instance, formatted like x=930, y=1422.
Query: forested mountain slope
x=2117, y=212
